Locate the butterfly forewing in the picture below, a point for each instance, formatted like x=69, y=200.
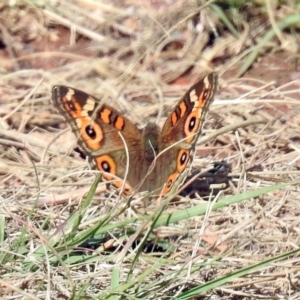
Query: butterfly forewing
x=190, y=112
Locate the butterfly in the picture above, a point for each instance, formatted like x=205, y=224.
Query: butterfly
x=148, y=159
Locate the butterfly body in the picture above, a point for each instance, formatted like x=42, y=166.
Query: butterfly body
x=148, y=159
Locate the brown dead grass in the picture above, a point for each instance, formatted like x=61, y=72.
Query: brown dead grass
x=144, y=56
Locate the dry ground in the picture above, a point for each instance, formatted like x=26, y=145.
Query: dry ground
x=56, y=243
